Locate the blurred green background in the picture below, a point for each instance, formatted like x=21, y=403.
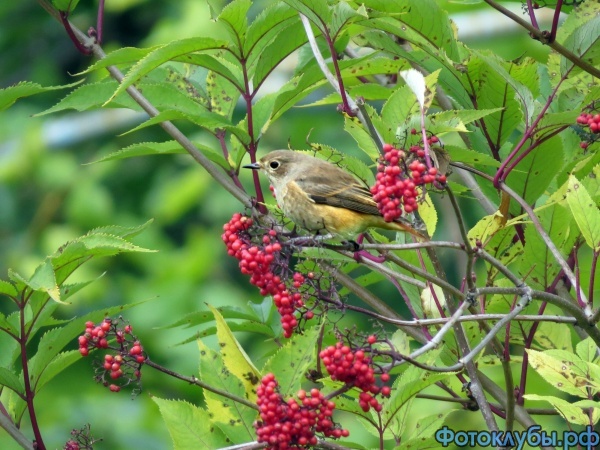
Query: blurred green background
x=48, y=195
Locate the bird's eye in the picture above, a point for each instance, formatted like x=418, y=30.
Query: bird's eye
x=274, y=164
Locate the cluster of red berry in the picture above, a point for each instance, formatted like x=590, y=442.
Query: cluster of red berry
x=355, y=369
x=590, y=120
x=593, y=122
x=396, y=183
x=293, y=423
x=129, y=352
x=258, y=262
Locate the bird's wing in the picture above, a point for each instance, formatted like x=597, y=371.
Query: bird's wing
x=342, y=192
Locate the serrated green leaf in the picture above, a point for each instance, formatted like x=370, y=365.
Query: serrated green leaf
x=342, y=14
x=204, y=119
x=234, y=419
x=56, y=366
x=121, y=56
x=292, y=361
x=584, y=43
x=166, y=53
x=190, y=427
x=470, y=157
x=269, y=23
x=316, y=11
x=424, y=23
x=585, y=211
x=534, y=173
x=9, y=95
x=120, y=231
x=11, y=381
x=44, y=280
x=456, y=119
x=267, y=57
x=7, y=289
x=235, y=358
x=364, y=140
x=426, y=427
x=162, y=148
x=587, y=350
x=537, y=264
x=393, y=414
x=201, y=317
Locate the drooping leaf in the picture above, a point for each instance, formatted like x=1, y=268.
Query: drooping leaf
x=9, y=95
x=11, y=381
x=234, y=357
x=166, y=53
x=233, y=418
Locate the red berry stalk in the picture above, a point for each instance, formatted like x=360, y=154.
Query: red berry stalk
x=261, y=261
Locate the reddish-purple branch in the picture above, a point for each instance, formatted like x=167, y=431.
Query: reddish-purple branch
x=64, y=18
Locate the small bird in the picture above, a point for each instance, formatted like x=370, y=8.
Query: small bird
x=322, y=197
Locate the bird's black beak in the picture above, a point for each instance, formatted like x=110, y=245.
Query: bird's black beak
x=253, y=166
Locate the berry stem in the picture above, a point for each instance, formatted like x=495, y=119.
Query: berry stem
x=202, y=384
x=29, y=393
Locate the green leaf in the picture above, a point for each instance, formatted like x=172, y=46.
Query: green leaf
x=424, y=23
x=456, y=120
x=492, y=90
x=584, y=43
x=534, y=173
x=341, y=15
x=190, y=427
x=11, y=380
x=470, y=157
x=585, y=211
x=266, y=58
x=316, y=11
x=9, y=95
x=166, y=53
x=292, y=361
x=7, y=289
x=587, y=350
x=569, y=412
x=122, y=56
x=267, y=27
x=426, y=427
x=537, y=264
x=204, y=119
x=56, y=366
x=393, y=414
x=364, y=140
x=44, y=280
x=235, y=358
x=233, y=16
x=162, y=148
x=201, y=317
x=234, y=419
x=65, y=5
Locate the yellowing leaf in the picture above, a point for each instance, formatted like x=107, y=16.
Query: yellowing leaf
x=585, y=212
x=429, y=215
x=486, y=227
x=235, y=358
x=428, y=301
